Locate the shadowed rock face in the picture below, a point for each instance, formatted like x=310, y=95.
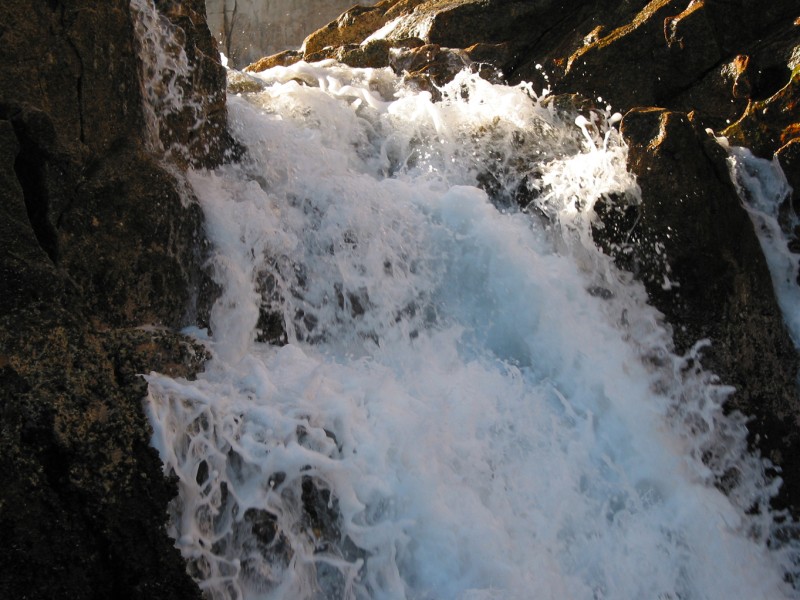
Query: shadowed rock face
x=722, y=59
x=99, y=257
x=691, y=210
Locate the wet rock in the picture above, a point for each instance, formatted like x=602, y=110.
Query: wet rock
x=658, y=54
x=101, y=259
x=695, y=249
x=722, y=95
x=196, y=133
x=789, y=158
x=82, y=505
x=240, y=82
x=373, y=54
x=249, y=29
x=430, y=66
x=709, y=56
x=352, y=27
x=769, y=124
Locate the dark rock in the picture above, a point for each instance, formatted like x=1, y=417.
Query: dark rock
x=709, y=56
x=373, y=54
x=153, y=276
x=722, y=95
x=195, y=134
x=694, y=247
x=660, y=53
x=789, y=158
x=101, y=251
x=82, y=508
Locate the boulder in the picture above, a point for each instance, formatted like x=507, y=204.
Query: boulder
x=658, y=54
x=281, y=59
x=83, y=504
x=351, y=27
x=250, y=29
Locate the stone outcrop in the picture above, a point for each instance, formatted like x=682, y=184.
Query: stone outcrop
x=727, y=66
x=249, y=29
x=100, y=262
x=695, y=249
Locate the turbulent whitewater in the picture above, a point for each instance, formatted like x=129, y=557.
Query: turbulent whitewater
x=470, y=401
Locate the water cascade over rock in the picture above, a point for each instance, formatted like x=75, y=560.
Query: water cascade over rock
x=451, y=334
x=464, y=391
x=684, y=68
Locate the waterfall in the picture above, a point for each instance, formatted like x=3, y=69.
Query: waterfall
x=470, y=401
x=765, y=194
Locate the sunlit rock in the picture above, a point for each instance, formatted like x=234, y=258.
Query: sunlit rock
x=769, y=124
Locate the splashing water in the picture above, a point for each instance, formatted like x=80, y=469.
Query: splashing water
x=165, y=80
x=473, y=401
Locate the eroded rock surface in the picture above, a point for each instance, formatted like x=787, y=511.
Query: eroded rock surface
x=100, y=262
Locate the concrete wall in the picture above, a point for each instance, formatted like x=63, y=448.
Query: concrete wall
x=250, y=29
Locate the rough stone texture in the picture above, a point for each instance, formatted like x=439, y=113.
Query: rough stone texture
x=281, y=59
x=82, y=508
x=100, y=257
x=769, y=124
x=659, y=52
x=195, y=133
x=707, y=56
x=721, y=288
x=352, y=27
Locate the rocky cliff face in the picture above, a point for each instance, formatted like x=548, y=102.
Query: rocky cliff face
x=101, y=260
x=678, y=69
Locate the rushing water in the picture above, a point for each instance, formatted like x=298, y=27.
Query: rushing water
x=473, y=401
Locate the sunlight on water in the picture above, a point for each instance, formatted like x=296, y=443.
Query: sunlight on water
x=474, y=402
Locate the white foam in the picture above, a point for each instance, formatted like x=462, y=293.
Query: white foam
x=487, y=423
